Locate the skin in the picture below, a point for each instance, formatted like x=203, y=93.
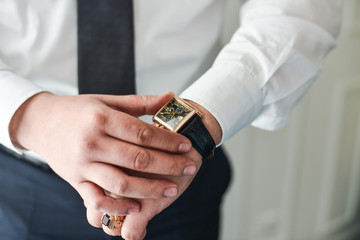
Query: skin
x=134, y=226
x=112, y=159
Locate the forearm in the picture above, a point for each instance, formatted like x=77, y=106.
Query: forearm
x=271, y=61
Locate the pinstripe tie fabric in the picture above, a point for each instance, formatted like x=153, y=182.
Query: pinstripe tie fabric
x=106, y=47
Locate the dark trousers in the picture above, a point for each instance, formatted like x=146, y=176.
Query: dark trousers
x=36, y=204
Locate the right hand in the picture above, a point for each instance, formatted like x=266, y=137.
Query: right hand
x=88, y=139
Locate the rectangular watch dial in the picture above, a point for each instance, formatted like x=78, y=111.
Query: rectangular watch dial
x=173, y=114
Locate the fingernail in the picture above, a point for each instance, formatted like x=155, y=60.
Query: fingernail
x=184, y=147
x=133, y=210
x=189, y=170
x=170, y=192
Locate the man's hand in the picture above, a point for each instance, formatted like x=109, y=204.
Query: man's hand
x=134, y=227
x=90, y=139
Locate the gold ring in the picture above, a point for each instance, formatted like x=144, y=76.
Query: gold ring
x=112, y=221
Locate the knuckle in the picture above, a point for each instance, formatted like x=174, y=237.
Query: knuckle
x=121, y=187
x=97, y=117
x=141, y=159
x=157, y=189
x=144, y=135
x=140, y=102
x=146, y=107
x=143, y=101
x=174, y=169
x=89, y=144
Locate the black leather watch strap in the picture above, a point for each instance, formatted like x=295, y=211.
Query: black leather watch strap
x=199, y=136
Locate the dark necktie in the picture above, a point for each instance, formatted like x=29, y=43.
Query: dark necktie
x=106, y=47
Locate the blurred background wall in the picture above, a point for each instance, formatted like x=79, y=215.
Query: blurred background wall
x=303, y=181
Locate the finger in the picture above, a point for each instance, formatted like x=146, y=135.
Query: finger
x=134, y=227
x=143, y=234
x=116, y=181
x=136, y=105
x=141, y=159
x=95, y=199
x=136, y=235
x=94, y=217
x=127, y=128
x=112, y=232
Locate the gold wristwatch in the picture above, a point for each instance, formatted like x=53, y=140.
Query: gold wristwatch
x=180, y=116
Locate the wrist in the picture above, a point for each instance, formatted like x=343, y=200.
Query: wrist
x=210, y=122
x=21, y=124
x=192, y=121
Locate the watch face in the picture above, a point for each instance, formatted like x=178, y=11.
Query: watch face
x=173, y=113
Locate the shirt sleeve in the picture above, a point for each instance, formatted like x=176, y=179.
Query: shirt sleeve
x=14, y=91
x=269, y=64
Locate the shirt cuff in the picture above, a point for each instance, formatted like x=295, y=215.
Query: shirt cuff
x=229, y=94
x=14, y=91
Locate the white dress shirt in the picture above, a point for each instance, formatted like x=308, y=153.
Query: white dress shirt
x=257, y=78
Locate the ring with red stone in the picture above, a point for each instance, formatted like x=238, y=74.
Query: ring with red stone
x=112, y=221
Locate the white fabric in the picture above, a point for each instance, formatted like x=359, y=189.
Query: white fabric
x=271, y=61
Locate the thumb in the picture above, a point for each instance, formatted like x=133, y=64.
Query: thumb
x=134, y=227
x=136, y=105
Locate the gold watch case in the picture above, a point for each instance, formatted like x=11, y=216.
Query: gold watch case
x=174, y=114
